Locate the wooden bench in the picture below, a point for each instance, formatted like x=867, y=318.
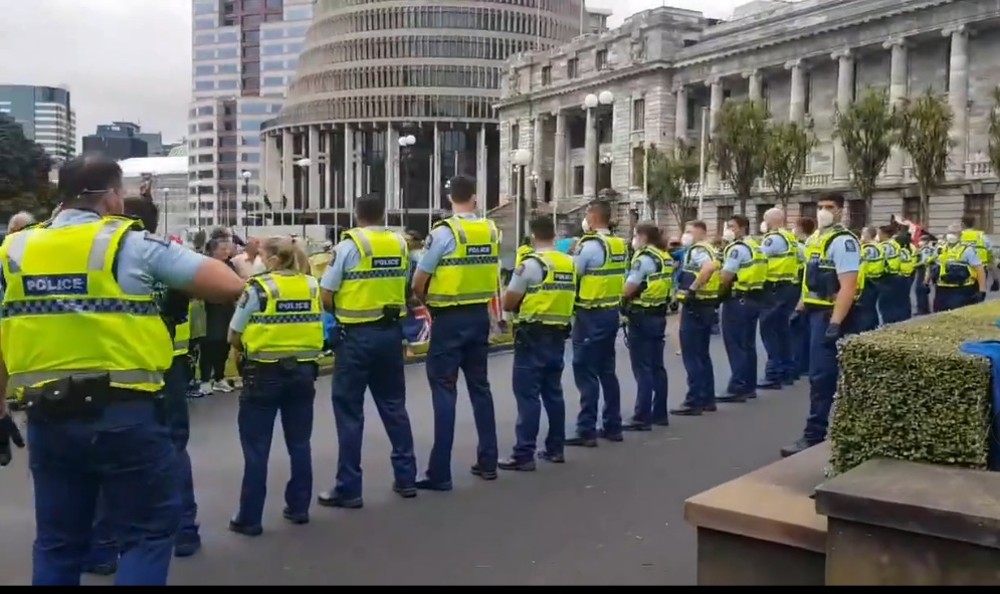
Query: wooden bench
x=762, y=529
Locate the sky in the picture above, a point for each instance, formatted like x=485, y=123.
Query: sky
x=130, y=60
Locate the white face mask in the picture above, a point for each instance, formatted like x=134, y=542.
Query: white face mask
x=729, y=235
x=687, y=239
x=635, y=243
x=824, y=218
x=763, y=227
x=951, y=238
x=586, y=226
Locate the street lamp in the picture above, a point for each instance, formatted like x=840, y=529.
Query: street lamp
x=406, y=143
x=590, y=103
x=304, y=163
x=521, y=158
x=246, y=203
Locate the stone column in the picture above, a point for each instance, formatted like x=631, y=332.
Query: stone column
x=313, y=170
x=898, y=90
x=590, y=159
x=272, y=168
x=559, y=160
x=680, y=116
x=287, y=199
x=958, y=95
x=753, y=85
x=436, y=173
x=845, y=95
x=360, y=168
x=714, y=110
x=537, y=157
x=348, y=169
x=797, y=102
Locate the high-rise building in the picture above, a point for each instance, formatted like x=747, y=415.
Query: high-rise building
x=117, y=140
x=245, y=52
x=46, y=115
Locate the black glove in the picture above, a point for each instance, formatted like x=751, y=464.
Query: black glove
x=9, y=433
x=794, y=318
x=981, y=297
x=832, y=333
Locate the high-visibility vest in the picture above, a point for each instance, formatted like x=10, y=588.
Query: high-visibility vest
x=659, y=284
x=891, y=259
x=65, y=314
x=182, y=335
x=953, y=271
x=710, y=290
x=821, y=271
x=551, y=301
x=976, y=239
x=522, y=251
x=873, y=263
x=601, y=287
x=377, y=285
x=291, y=323
x=783, y=267
x=470, y=273
x=751, y=274
x=907, y=260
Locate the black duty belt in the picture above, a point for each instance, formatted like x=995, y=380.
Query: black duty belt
x=448, y=309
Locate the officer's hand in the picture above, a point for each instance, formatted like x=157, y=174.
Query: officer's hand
x=982, y=296
x=832, y=333
x=9, y=433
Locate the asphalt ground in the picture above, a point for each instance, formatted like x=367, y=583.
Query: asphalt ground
x=610, y=515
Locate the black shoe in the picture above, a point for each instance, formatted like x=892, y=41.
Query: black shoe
x=775, y=385
x=404, y=491
x=582, y=442
x=297, y=519
x=429, y=485
x=799, y=446
x=636, y=426
x=553, y=458
x=331, y=499
x=731, y=398
x=517, y=465
x=789, y=381
x=486, y=475
x=615, y=437
x=686, y=411
x=710, y=407
x=240, y=528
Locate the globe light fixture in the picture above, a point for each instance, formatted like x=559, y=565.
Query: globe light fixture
x=522, y=157
x=590, y=101
x=408, y=140
x=306, y=162
x=246, y=175
x=606, y=98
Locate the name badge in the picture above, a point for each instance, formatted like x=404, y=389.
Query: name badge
x=392, y=262
x=618, y=257
x=42, y=285
x=292, y=306
x=479, y=250
x=563, y=277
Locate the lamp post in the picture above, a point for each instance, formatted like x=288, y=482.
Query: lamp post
x=246, y=203
x=406, y=144
x=304, y=164
x=591, y=102
x=521, y=158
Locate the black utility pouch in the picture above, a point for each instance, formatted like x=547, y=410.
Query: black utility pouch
x=288, y=364
x=79, y=397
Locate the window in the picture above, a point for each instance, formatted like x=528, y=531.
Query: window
x=515, y=136
x=571, y=65
x=856, y=215
x=601, y=59
x=639, y=114
x=807, y=209
x=722, y=216
x=911, y=208
x=546, y=75
x=638, y=166
x=980, y=208
x=578, y=180
x=807, y=83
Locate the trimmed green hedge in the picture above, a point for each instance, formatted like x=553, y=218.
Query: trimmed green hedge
x=907, y=392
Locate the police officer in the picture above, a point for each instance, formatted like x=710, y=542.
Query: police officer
x=829, y=290
x=977, y=240
x=781, y=295
x=743, y=273
x=93, y=375
x=365, y=288
x=278, y=330
x=891, y=293
x=698, y=293
x=457, y=278
x=959, y=275
x=926, y=257
x=542, y=292
x=804, y=229
x=601, y=261
x=873, y=268
x=647, y=290
x=907, y=269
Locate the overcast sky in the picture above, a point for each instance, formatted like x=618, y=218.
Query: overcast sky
x=131, y=59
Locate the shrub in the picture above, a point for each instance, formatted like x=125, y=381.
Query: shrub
x=907, y=392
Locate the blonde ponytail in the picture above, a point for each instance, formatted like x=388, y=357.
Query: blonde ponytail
x=287, y=252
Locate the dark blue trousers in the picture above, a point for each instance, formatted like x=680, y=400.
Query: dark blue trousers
x=866, y=308
x=739, y=334
x=539, y=359
x=460, y=341
x=126, y=456
x=949, y=298
x=695, y=336
x=269, y=391
x=594, y=335
x=922, y=291
x=775, y=332
x=823, y=371
x=646, y=344
x=371, y=358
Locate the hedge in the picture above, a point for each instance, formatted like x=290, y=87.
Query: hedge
x=907, y=392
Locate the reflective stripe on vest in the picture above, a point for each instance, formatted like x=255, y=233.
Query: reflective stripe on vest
x=551, y=301
x=377, y=282
x=67, y=300
x=470, y=274
x=601, y=288
x=291, y=323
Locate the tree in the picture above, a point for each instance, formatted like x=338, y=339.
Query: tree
x=867, y=129
x=24, y=173
x=785, y=152
x=668, y=178
x=994, y=147
x=736, y=144
x=924, y=127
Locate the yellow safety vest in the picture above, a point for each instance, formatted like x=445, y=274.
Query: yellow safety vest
x=182, y=336
x=907, y=260
x=65, y=314
x=710, y=290
x=954, y=272
x=658, y=284
x=751, y=275
x=783, y=267
x=291, y=323
x=976, y=240
x=816, y=255
x=470, y=273
x=601, y=288
x=522, y=251
x=378, y=282
x=551, y=301
x=874, y=268
x=891, y=262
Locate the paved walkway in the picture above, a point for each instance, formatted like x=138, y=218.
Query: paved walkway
x=611, y=515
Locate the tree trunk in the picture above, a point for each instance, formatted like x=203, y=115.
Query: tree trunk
x=868, y=209
x=925, y=205
x=743, y=205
